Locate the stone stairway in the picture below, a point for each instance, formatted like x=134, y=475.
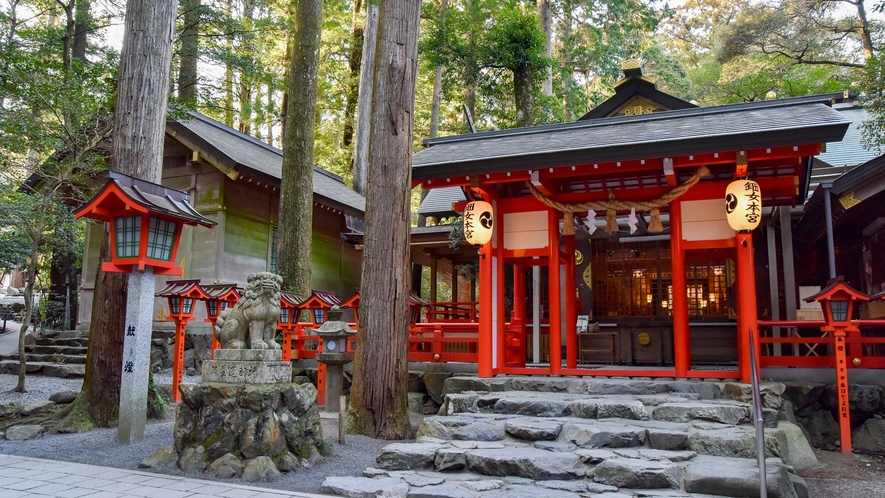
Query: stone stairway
x=54, y=354
x=612, y=438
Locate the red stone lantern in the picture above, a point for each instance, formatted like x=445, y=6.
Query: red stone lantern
x=221, y=297
x=182, y=296
x=289, y=312
x=837, y=300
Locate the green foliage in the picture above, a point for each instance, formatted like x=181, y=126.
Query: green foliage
x=873, y=84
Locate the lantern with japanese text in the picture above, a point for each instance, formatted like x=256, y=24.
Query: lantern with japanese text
x=478, y=222
x=743, y=205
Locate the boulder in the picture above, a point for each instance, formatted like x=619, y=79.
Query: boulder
x=37, y=407
x=444, y=490
x=64, y=370
x=610, y=408
x=262, y=436
x=434, y=383
x=363, y=487
x=798, y=452
x=664, y=439
x=226, y=466
x=449, y=459
x=534, y=407
x=533, y=429
x=529, y=491
x=555, y=446
x=728, y=441
x=463, y=384
x=595, y=435
x=64, y=397
x=529, y=463
x=737, y=477
x=192, y=459
x=822, y=429
x=407, y=456
x=260, y=469
x=419, y=481
x=24, y=432
x=639, y=474
x=685, y=412
x=416, y=402
x=861, y=398
x=161, y=458
x=870, y=436
x=9, y=409
x=770, y=392
x=288, y=463
x=460, y=428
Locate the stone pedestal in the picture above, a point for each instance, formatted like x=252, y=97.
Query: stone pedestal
x=252, y=366
x=334, y=378
x=136, y=356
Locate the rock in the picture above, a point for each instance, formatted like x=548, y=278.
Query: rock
x=460, y=403
x=673, y=456
x=192, y=459
x=799, y=485
x=640, y=474
x=803, y=394
x=298, y=398
x=555, y=446
x=528, y=491
x=226, y=466
x=24, y=432
x=530, y=463
x=869, y=437
x=419, y=481
x=663, y=439
x=610, y=408
x=770, y=392
x=448, y=459
x=740, y=477
x=463, y=384
x=37, y=407
x=406, y=456
x=9, y=409
x=288, y=463
x=262, y=436
x=595, y=435
x=460, y=428
x=64, y=370
x=861, y=398
x=416, y=402
x=64, y=397
x=534, y=407
x=483, y=485
x=434, y=383
x=728, y=441
x=592, y=457
x=161, y=458
x=685, y=412
x=430, y=407
x=310, y=456
x=799, y=454
x=444, y=490
x=573, y=486
x=533, y=429
x=822, y=428
x=363, y=487
x=260, y=469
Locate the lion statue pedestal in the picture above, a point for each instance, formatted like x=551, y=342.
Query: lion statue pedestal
x=246, y=417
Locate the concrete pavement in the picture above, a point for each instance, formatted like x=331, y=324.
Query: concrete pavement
x=24, y=477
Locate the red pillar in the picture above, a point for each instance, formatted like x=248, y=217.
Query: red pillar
x=500, y=291
x=746, y=300
x=571, y=314
x=321, y=381
x=178, y=360
x=215, y=343
x=287, y=341
x=555, y=304
x=842, y=388
x=681, y=335
x=484, y=369
x=516, y=339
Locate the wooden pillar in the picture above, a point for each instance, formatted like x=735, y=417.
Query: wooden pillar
x=484, y=369
x=839, y=334
x=746, y=300
x=434, y=268
x=681, y=335
x=571, y=314
x=178, y=359
x=555, y=303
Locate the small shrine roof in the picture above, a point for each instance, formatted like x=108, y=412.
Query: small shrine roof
x=180, y=287
x=218, y=291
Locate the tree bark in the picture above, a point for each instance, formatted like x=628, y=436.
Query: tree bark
x=522, y=86
x=190, y=50
x=139, y=127
x=547, y=28
x=355, y=59
x=379, y=405
x=296, y=199
x=81, y=28
x=364, y=101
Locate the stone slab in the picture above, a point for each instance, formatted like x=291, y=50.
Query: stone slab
x=247, y=372
x=248, y=355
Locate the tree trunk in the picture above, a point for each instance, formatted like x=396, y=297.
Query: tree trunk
x=81, y=28
x=437, y=83
x=364, y=102
x=864, y=31
x=190, y=49
x=246, y=78
x=522, y=87
x=355, y=59
x=139, y=128
x=296, y=191
x=547, y=28
x=379, y=405
x=29, y=312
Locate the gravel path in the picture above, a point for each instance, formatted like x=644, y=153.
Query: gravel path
x=100, y=446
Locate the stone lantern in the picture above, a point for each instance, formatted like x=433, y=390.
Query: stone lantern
x=335, y=334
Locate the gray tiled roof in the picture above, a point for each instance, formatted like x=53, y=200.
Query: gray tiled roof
x=251, y=156
x=438, y=201
x=664, y=134
x=849, y=152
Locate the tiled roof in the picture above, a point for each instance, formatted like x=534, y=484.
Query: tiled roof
x=438, y=201
x=250, y=156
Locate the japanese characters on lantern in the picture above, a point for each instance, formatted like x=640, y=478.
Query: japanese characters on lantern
x=743, y=204
x=478, y=222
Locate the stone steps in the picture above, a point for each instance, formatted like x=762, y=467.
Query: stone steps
x=60, y=370
x=539, y=437
x=48, y=358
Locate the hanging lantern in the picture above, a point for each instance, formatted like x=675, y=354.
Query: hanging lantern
x=743, y=204
x=478, y=222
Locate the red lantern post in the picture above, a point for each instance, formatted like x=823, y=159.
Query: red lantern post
x=289, y=312
x=319, y=303
x=221, y=297
x=837, y=300
x=182, y=295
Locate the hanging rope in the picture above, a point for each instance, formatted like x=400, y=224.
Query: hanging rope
x=612, y=205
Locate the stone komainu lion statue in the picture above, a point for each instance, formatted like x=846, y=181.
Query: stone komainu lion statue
x=252, y=322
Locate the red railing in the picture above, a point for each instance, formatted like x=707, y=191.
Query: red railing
x=452, y=312
x=443, y=342
x=803, y=344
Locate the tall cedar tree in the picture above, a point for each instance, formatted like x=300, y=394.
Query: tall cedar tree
x=379, y=406
x=296, y=199
x=139, y=126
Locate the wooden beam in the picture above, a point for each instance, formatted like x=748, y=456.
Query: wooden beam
x=201, y=155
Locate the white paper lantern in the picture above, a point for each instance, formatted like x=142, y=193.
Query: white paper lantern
x=478, y=222
x=743, y=204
